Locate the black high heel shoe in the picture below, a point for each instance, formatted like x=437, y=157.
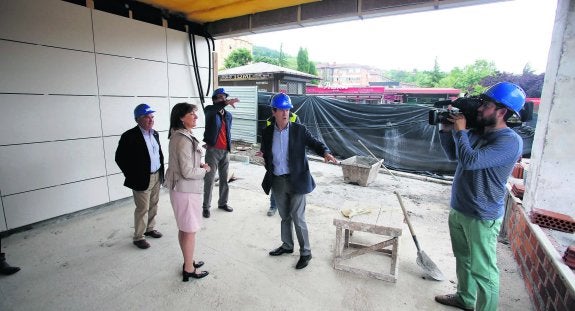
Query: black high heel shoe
x=187, y=275
x=196, y=265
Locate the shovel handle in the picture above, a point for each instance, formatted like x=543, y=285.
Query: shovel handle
x=407, y=220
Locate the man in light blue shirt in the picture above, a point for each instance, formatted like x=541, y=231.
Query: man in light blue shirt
x=139, y=156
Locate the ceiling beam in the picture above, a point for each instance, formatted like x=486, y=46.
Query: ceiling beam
x=326, y=12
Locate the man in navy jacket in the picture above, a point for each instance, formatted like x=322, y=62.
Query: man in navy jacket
x=139, y=156
x=287, y=173
x=218, y=139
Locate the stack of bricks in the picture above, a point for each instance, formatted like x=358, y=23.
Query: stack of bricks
x=569, y=257
x=518, y=170
x=518, y=190
x=547, y=286
x=553, y=220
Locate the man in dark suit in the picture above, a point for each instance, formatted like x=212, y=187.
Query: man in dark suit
x=139, y=156
x=287, y=173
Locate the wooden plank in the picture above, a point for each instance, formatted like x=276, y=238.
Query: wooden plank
x=338, y=244
x=371, y=274
x=368, y=249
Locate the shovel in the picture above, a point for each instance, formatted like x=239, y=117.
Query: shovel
x=423, y=260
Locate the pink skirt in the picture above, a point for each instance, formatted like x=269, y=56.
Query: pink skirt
x=187, y=210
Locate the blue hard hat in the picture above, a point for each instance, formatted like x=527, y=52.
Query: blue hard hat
x=219, y=91
x=281, y=101
x=507, y=94
x=142, y=110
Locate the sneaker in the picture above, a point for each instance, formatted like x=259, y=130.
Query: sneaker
x=452, y=300
x=272, y=211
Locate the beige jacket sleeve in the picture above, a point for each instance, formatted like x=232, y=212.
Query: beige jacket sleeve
x=184, y=173
x=188, y=155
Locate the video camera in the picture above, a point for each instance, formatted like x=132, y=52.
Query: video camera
x=468, y=107
x=463, y=105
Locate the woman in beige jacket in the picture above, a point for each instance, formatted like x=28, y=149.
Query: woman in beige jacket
x=185, y=179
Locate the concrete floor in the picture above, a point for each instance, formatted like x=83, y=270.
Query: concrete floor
x=86, y=261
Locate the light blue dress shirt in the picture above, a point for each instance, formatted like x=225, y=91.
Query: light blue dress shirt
x=280, y=145
x=153, y=149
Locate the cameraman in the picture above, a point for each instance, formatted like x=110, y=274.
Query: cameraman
x=485, y=157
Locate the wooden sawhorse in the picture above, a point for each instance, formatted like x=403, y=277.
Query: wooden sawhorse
x=387, y=224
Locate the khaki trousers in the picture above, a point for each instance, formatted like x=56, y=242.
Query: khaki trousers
x=146, y=203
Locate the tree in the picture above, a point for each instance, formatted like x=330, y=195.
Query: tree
x=238, y=57
x=469, y=78
x=302, y=60
x=531, y=83
x=266, y=59
x=282, y=57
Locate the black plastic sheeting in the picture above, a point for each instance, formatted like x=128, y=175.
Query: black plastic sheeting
x=400, y=134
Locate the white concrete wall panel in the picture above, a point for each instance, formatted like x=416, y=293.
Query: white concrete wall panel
x=118, y=113
x=70, y=78
x=117, y=35
x=116, y=187
x=110, y=146
x=33, y=166
x=183, y=81
x=30, y=207
x=26, y=68
x=40, y=118
x=123, y=76
x=179, y=49
x=47, y=22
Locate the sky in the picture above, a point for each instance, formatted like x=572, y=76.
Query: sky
x=511, y=34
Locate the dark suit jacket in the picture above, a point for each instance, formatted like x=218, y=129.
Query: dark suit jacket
x=214, y=124
x=134, y=160
x=299, y=138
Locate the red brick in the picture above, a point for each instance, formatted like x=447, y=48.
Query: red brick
x=542, y=274
x=535, y=277
x=551, y=290
x=544, y=295
x=541, y=254
x=553, y=220
x=561, y=306
x=560, y=286
x=569, y=301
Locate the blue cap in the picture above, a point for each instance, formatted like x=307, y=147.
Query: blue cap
x=219, y=91
x=142, y=110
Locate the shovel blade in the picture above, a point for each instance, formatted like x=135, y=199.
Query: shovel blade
x=429, y=266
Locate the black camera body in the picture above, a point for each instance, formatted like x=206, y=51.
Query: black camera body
x=463, y=105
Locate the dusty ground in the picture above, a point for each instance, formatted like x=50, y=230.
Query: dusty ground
x=87, y=261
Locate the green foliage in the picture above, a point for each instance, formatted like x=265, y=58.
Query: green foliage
x=238, y=57
x=302, y=60
x=266, y=59
x=282, y=59
x=469, y=78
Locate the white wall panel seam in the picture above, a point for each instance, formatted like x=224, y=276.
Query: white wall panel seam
x=53, y=186
x=46, y=45
x=99, y=104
